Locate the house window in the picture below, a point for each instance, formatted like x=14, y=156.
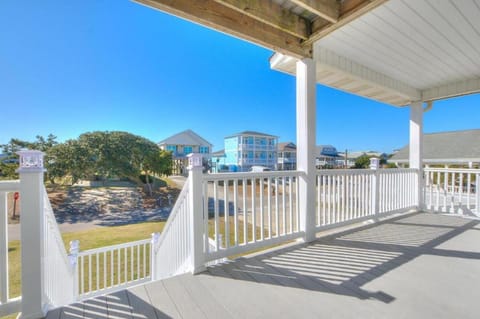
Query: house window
x=172, y=148
x=248, y=140
x=187, y=149
x=204, y=149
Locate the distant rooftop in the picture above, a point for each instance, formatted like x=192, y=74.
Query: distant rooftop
x=187, y=137
x=287, y=146
x=446, y=147
x=219, y=153
x=251, y=133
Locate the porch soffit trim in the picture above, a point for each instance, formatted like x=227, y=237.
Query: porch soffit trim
x=451, y=90
x=330, y=60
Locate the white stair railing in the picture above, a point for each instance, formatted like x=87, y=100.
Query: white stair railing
x=171, y=251
x=8, y=305
x=59, y=276
x=106, y=269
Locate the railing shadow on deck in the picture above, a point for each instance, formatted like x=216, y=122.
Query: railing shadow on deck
x=121, y=304
x=344, y=262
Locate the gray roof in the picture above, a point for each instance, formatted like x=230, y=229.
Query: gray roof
x=251, y=133
x=287, y=146
x=446, y=147
x=187, y=137
x=220, y=153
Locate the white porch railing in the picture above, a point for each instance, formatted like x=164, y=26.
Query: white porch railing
x=247, y=211
x=345, y=196
x=8, y=305
x=171, y=251
x=57, y=266
x=105, y=269
x=397, y=190
x=452, y=190
x=216, y=216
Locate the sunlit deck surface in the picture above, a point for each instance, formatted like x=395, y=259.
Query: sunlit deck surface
x=415, y=266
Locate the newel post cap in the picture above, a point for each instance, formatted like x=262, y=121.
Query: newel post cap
x=194, y=160
x=374, y=163
x=30, y=161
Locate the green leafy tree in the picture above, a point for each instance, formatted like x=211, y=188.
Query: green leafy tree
x=362, y=161
x=9, y=164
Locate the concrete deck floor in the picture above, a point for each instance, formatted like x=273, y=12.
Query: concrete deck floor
x=415, y=266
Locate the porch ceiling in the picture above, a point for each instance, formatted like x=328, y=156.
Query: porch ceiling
x=395, y=51
x=402, y=51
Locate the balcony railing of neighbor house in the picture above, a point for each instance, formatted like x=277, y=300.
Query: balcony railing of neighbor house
x=8, y=304
x=452, y=190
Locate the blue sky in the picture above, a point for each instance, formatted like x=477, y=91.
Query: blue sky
x=69, y=67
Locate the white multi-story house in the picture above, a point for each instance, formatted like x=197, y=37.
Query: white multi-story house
x=182, y=144
x=287, y=156
x=248, y=148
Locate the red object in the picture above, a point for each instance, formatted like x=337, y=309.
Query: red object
x=16, y=196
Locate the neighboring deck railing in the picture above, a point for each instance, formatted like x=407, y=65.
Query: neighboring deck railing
x=345, y=196
x=452, y=190
x=247, y=211
x=8, y=304
x=105, y=269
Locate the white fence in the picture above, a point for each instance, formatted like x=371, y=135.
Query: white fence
x=115, y=267
x=57, y=266
x=249, y=210
x=345, y=196
x=8, y=304
x=452, y=190
x=220, y=215
x=397, y=190
x=172, y=249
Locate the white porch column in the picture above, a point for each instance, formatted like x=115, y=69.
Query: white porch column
x=195, y=168
x=32, y=232
x=306, y=131
x=416, y=147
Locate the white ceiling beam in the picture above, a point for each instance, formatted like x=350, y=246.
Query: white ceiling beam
x=451, y=90
x=326, y=9
x=331, y=60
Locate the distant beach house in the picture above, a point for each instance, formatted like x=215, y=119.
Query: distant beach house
x=182, y=144
x=348, y=159
x=287, y=156
x=326, y=156
x=244, y=150
x=446, y=148
x=218, y=162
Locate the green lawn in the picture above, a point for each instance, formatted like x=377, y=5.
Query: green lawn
x=90, y=239
x=106, y=236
